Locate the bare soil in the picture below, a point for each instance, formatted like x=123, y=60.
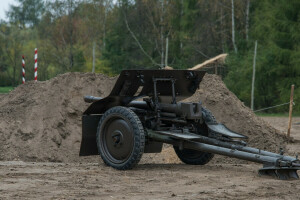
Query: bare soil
x=40, y=136
x=48, y=180
x=281, y=123
x=41, y=121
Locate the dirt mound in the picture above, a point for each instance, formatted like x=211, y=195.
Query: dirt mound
x=229, y=110
x=42, y=121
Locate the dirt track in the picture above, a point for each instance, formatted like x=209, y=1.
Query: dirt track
x=20, y=180
x=76, y=181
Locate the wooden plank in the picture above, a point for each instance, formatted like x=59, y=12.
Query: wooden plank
x=220, y=59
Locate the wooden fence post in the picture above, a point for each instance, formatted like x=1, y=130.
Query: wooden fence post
x=291, y=110
x=253, y=76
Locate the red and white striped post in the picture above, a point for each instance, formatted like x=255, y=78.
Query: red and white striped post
x=23, y=69
x=35, y=64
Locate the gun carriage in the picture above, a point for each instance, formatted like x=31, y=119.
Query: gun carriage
x=145, y=110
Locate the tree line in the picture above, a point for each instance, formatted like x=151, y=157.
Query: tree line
x=107, y=36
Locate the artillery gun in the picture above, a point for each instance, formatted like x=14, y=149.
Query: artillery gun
x=121, y=129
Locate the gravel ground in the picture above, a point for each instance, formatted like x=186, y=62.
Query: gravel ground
x=46, y=180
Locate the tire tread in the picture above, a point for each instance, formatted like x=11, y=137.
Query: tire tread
x=139, y=138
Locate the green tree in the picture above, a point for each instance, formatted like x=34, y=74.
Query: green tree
x=28, y=12
x=276, y=27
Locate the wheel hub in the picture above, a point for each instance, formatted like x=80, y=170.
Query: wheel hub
x=118, y=139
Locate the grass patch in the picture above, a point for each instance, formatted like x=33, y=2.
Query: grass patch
x=262, y=114
x=6, y=89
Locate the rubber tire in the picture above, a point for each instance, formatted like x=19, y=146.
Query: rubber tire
x=193, y=157
x=138, y=135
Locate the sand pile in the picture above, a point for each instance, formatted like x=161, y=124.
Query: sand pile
x=42, y=121
x=229, y=110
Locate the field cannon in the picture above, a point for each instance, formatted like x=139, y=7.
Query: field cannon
x=144, y=110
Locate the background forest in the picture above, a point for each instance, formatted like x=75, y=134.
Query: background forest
x=75, y=35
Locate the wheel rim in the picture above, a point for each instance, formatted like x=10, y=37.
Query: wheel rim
x=117, y=139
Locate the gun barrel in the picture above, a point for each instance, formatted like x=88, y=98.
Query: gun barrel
x=91, y=99
x=136, y=104
x=189, y=110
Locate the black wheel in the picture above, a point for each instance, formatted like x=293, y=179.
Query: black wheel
x=193, y=157
x=120, y=138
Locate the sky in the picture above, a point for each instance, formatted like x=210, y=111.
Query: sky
x=4, y=6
